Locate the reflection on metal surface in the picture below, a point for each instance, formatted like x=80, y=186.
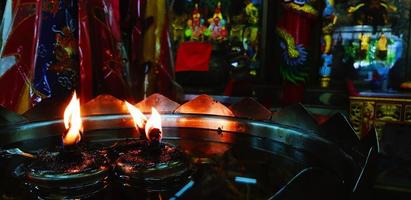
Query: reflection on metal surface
x=251, y=109
x=296, y=116
x=159, y=102
x=183, y=189
x=245, y=180
x=50, y=108
x=339, y=130
x=15, y=152
x=331, y=186
x=104, y=104
x=8, y=117
x=204, y=104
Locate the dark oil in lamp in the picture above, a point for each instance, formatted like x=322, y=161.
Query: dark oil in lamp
x=148, y=164
x=72, y=170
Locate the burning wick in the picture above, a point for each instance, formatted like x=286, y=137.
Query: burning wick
x=153, y=127
x=73, y=123
x=150, y=128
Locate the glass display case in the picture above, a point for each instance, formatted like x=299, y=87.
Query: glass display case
x=371, y=43
x=216, y=43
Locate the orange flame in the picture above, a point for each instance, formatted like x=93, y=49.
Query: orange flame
x=138, y=117
x=72, y=122
x=154, y=122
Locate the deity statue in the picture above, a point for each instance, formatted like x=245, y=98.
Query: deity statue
x=364, y=45
x=217, y=25
x=382, y=47
x=195, y=26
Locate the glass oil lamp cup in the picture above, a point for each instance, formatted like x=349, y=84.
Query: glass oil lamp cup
x=71, y=170
x=148, y=163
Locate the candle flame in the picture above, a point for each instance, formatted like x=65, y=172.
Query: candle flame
x=138, y=117
x=72, y=122
x=154, y=122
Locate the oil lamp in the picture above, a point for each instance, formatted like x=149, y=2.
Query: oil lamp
x=147, y=163
x=71, y=170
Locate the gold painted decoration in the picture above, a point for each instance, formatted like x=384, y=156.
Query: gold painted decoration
x=290, y=42
x=388, y=112
x=368, y=112
x=356, y=116
x=306, y=8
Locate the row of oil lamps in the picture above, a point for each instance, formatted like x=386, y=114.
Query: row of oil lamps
x=74, y=128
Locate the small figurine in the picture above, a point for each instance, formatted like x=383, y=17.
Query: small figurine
x=217, y=11
x=364, y=44
x=382, y=46
x=328, y=25
x=251, y=30
x=196, y=16
x=217, y=26
x=195, y=26
x=329, y=21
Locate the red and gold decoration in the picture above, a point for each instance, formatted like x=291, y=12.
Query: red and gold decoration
x=294, y=29
x=196, y=29
x=78, y=44
x=104, y=47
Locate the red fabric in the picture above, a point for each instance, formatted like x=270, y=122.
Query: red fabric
x=115, y=20
x=21, y=43
x=193, y=56
x=106, y=55
x=298, y=24
x=135, y=23
x=86, y=66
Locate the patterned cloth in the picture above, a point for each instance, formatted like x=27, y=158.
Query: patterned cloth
x=56, y=69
